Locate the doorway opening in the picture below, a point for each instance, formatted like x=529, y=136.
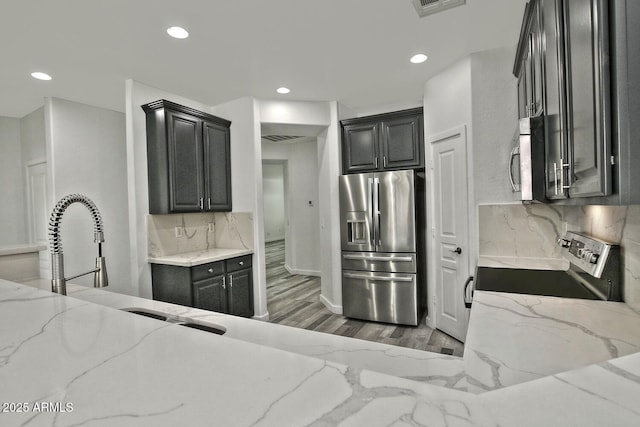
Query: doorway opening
x=291, y=224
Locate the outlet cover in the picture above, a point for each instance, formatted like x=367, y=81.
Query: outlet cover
x=179, y=231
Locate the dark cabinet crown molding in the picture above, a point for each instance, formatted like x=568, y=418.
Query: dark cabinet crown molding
x=383, y=116
x=163, y=103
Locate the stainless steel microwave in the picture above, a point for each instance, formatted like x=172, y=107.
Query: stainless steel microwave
x=528, y=175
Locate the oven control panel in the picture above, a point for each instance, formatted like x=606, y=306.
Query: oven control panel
x=586, y=252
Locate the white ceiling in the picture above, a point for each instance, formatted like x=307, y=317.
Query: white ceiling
x=352, y=51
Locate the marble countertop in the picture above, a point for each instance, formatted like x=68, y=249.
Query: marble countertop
x=117, y=368
x=108, y=367
x=190, y=259
x=515, y=338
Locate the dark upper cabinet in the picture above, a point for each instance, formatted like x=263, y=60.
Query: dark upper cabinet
x=217, y=167
x=563, y=65
x=383, y=142
x=360, y=146
x=189, y=160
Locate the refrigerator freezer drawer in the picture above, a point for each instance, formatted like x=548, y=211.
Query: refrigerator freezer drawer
x=381, y=297
x=375, y=261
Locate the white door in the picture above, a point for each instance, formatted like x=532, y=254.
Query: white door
x=38, y=210
x=450, y=229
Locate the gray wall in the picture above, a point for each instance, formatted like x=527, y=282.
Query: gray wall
x=495, y=122
x=87, y=152
x=13, y=226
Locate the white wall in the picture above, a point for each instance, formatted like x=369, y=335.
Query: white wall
x=447, y=105
x=303, y=232
x=330, y=247
x=273, y=184
x=138, y=94
x=495, y=122
x=86, y=149
x=13, y=227
x=32, y=135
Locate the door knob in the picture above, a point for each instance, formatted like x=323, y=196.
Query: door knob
x=457, y=250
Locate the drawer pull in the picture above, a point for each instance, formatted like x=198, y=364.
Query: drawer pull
x=241, y=263
x=210, y=270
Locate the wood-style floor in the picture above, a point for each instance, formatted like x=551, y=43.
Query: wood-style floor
x=294, y=300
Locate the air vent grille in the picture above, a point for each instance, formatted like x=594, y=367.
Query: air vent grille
x=279, y=138
x=429, y=7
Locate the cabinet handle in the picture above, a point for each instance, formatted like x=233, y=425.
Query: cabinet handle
x=224, y=283
x=231, y=280
x=564, y=165
x=555, y=176
x=210, y=271
x=201, y=204
x=209, y=203
x=384, y=161
x=241, y=263
x=376, y=163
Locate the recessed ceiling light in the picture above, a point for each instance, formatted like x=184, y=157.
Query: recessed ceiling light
x=418, y=59
x=283, y=90
x=178, y=32
x=40, y=76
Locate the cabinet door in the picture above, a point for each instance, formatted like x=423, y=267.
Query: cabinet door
x=588, y=118
x=217, y=167
x=210, y=294
x=360, y=147
x=556, y=145
x=240, y=293
x=537, y=76
x=402, y=142
x=523, y=100
x=185, y=162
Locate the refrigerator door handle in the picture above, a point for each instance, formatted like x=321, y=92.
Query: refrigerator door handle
x=379, y=278
x=379, y=258
x=372, y=231
x=376, y=211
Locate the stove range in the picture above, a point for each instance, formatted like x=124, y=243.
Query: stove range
x=594, y=274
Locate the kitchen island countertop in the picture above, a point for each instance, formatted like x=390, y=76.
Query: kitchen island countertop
x=121, y=369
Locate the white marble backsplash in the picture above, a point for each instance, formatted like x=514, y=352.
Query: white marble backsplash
x=531, y=231
x=200, y=231
x=523, y=231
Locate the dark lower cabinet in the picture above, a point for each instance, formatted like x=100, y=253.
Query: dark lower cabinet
x=222, y=286
x=210, y=294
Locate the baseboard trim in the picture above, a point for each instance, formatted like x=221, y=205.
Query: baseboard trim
x=273, y=239
x=335, y=309
x=302, y=272
x=264, y=317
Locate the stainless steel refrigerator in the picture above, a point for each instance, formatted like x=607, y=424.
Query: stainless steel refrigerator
x=383, y=241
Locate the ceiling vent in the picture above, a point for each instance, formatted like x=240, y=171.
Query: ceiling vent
x=280, y=138
x=429, y=7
